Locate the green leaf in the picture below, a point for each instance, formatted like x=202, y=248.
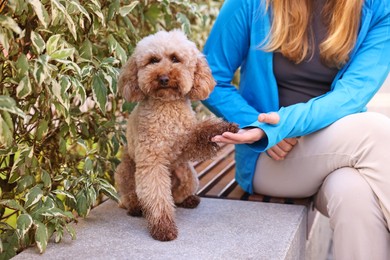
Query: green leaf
x=185, y=23
x=33, y=196
x=8, y=104
x=86, y=50
x=80, y=90
x=128, y=106
x=65, y=193
x=96, y=9
x=111, y=82
x=125, y=10
x=24, y=88
x=117, y=49
x=113, y=9
x=92, y=196
x=7, y=119
x=88, y=165
x=99, y=92
x=23, y=224
x=41, y=12
x=53, y=212
x=38, y=42
x=62, y=54
x=81, y=9
x=108, y=190
x=62, y=146
x=22, y=161
x=42, y=129
x=10, y=245
x=12, y=204
x=41, y=236
x=68, y=18
x=25, y=182
x=71, y=231
x=52, y=43
x=59, y=234
x=22, y=66
x=6, y=133
x=82, y=206
x=153, y=13
x=9, y=23
x=46, y=179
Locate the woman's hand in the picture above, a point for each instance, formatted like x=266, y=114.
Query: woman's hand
x=279, y=152
x=243, y=136
x=247, y=135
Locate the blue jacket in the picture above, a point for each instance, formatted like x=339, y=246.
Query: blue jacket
x=234, y=42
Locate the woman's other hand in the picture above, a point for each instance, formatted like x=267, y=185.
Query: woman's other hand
x=279, y=151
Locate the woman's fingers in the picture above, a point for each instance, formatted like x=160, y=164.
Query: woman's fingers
x=244, y=136
x=281, y=150
x=269, y=118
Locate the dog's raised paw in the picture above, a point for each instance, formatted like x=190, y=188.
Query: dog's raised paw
x=190, y=202
x=232, y=127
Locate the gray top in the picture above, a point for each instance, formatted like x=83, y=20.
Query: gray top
x=310, y=78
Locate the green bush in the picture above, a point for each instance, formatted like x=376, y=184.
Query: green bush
x=60, y=117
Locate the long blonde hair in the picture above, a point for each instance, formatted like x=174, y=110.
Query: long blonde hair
x=290, y=29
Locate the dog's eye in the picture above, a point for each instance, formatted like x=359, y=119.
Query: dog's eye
x=175, y=59
x=154, y=60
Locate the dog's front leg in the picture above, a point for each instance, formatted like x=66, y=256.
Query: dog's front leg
x=153, y=187
x=198, y=145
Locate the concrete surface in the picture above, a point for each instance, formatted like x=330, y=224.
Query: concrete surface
x=217, y=229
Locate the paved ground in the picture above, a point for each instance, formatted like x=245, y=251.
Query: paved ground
x=216, y=230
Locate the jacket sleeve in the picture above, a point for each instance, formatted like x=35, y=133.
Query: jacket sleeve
x=358, y=81
x=225, y=49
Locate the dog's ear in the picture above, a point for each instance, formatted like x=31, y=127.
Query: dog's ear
x=203, y=80
x=128, y=82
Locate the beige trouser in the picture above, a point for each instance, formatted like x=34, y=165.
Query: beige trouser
x=347, y=166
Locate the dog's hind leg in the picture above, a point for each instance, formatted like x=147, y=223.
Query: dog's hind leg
x=184, y=186
x=154, y=193
x=125, y=182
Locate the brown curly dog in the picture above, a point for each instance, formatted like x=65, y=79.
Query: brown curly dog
x=165, y=72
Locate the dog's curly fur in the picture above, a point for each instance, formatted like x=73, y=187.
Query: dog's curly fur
x=165, y=72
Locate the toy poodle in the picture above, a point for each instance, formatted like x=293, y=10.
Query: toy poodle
x=165, y=72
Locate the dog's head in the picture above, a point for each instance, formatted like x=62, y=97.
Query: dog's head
x=166, y=66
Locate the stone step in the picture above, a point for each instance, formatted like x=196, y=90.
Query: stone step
x=217, y=229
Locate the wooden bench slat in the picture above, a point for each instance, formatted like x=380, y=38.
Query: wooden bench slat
x=204, y=167
x=217, y=180
x=224, y=179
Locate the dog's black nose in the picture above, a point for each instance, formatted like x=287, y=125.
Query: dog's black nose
x=164, y=79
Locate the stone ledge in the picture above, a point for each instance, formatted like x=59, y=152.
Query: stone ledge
x=217, y=229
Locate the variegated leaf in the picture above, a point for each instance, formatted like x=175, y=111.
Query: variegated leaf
x=33, y=196
x=41, y=12
x=41, y=236
x=23, y=224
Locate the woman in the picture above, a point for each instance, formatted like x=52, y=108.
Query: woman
x=316, y=64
